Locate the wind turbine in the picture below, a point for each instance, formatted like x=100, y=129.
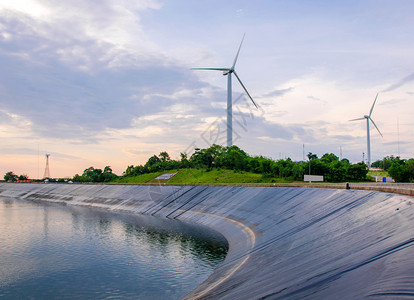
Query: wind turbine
x=368, y=137
x=228, y=72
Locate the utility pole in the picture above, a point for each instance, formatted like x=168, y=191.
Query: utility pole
x=303, y=152
x=398, y=136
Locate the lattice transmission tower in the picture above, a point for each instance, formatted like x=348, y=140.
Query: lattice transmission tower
x=47, y=171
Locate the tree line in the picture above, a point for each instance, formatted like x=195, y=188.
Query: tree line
x=401, y=170
x=234, y=158
x=95, y=175
x=10, y=176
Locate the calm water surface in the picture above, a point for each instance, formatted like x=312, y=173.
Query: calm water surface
x=65, y=252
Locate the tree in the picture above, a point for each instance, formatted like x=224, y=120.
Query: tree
x=128, y=170
x=337, y=172
x=266, y=166
x=410, y=168
x=385, y=163
x=151, y=163
x=184, y=162
x=232, y=158
x=312, y=156
x=107, y=175
x=164, y=156
x=207, y=158
x=88, y=172
x=23, y=177
x=357, y=172
x=253, y=164
x=79, y=178
x=10, y=176
x=310, y=168
x=298, y=171
x=96, y=175
x=138, y=170
x=328, y=158
x=399, y=171
x=318, y=167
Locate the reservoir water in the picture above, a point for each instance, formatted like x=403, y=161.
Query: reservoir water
x=67, y=252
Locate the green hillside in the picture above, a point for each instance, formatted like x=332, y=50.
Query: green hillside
x=144, y=178
x=189, y=176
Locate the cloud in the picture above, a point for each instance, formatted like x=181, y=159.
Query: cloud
x=343, y=137
x=26, y=7
x=400, y=83
x=314, y=98
x=34, y=152
x=67, y=103
x=18, y=151
x=393, y=101
x=12, y=120
x=79, y=75
x=112, y=78
x=5, y=118
x=278, y=93
x=83, y=34
x=394, y=143
x=61, y=66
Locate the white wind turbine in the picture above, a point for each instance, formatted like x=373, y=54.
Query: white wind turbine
x=368, y=136
x=228, y=72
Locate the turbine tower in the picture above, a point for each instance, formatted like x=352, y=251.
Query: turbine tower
x=368, y=118
x=228, y=72
x=47, y=171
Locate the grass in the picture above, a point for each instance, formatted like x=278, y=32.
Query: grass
x=220, y=176
x=189, y=176
x=375, y=173
x=213, y=176
x=144, y=178
x=194, y=176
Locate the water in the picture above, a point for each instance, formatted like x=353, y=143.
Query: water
x=63, y=252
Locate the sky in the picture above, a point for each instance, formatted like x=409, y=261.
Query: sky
x=109, y=83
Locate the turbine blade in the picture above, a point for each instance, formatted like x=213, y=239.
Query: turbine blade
x=237, y=55
x=214, y=69
x=372, y=108
x=234, y=72
x=356, y=119
x=376, y=126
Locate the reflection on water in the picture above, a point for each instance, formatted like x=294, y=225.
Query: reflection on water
x=51, y=251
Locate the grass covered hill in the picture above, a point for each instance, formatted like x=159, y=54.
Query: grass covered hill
x=218, y=164
x=201, y=175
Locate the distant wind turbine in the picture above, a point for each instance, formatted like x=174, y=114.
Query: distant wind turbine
x=228, y=72
x=368, y=136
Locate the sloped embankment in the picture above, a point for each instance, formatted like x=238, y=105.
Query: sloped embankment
x=284, y=242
